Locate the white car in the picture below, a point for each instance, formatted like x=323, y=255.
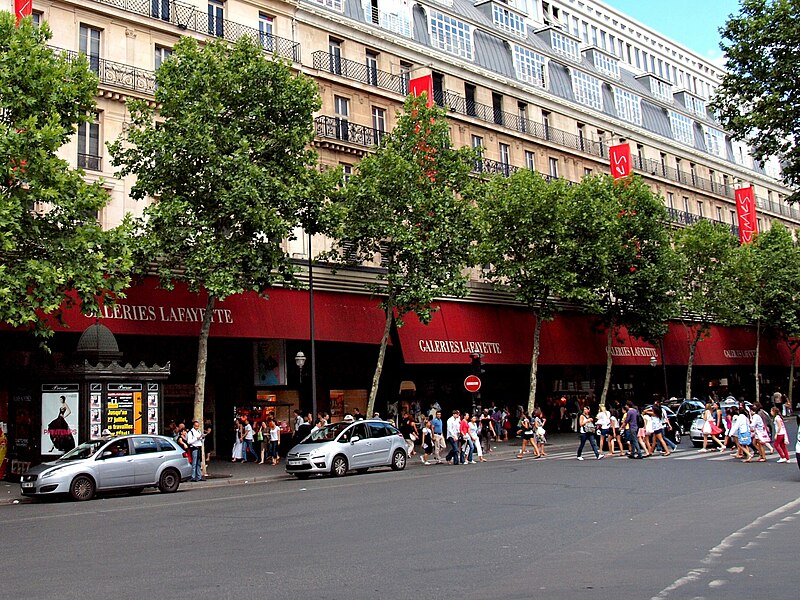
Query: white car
x=127, y=462
x=339, y=447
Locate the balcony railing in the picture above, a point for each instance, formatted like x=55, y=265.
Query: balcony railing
x=117, y=74
x=191, y=18
x=681, y=217
x=90, y=162
x=337, y=128
x=359, y=71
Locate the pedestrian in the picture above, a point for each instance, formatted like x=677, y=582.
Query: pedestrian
x=603, y=423
x=194, y=441
x=298, y=421
x=657, y=424
x=453, y=431
x=646, y=434
x=586, y=429
x=357, y=416
x=487, y=431
x=274, y=438
x=208, y=444
x=467, y=447
x=303, y=430
x=427, y=440
x=780, y=435
x=615, y=438
x=438, y=436
x=525, y=431
x=760, y=433
x=631, y=420
x=237, y=440
x=740, y=434
x=262, y=435
x=407, y=428
x=768, y=426
x=473, y=437
x=539, y=432
x=710, y=428
x=247, y=440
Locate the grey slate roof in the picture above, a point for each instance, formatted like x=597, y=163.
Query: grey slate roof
x=494, y=53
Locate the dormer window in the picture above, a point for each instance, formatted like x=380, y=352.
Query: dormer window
x=451, y=35
x=587, y=89
x=605, y=63
x=529, y=66
x=565, y=45
x=508, y=21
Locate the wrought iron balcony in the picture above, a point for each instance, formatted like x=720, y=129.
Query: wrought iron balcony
x=117, y=74
x=681, y=217
x=191, y=18
x=337, y=128
x=90, y=162
x=359, y=71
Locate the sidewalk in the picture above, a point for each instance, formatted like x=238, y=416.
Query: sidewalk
x=222, y=472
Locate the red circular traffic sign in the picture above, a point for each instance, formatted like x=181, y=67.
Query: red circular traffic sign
x=472, y=383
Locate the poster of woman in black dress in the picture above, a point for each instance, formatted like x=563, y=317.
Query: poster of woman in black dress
x=59, y=430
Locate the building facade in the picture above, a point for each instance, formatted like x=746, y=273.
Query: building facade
x=542, y=85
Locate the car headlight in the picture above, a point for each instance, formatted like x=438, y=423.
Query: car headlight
x=51, y=472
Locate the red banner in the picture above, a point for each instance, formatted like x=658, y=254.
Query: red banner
x=22, y=9
x=620, y=159
x=746, y=209
x=422, y=84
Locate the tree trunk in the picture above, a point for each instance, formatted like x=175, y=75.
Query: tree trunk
x=793, y=351
x=373, y=392
x=609, y=359
x=537, y=330
x=758, y=350
x=202, y=361
x=692, y=351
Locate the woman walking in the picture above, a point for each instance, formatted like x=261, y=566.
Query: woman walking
x=539, y=431
x=473, y=436
x=586, y=428
x=237, y=440
x=427, y=440
x=603, y=424
x=760, y=434
x=526, y=432
x=780, y=435
x=710, y=428
x=274, y=440
x=740, y=434
x=262, y=435
x=615, y=434
x=657, y=424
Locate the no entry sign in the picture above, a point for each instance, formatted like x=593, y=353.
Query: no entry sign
x=472, y=383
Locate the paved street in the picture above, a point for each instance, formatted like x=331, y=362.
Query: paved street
x=688, y=526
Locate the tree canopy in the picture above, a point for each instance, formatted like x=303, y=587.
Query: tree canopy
x=409, y=204
x=227, y=159
x=758, y=99
x=53, y=250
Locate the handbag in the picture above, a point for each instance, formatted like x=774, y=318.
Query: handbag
x=259, y=437
x=540, y=431
x=588, y=427
x=715, y=429
x=744, y=438
x=413, y=437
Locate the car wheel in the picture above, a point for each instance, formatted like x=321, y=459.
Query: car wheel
x=302, y=476
x=169, y=481
x=82, y=488
x=677, y=439
x=398, y=460
x=339, y=466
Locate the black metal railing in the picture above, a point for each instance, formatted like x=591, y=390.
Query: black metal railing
x=117, y=74
x=191, y=18
x=360, y=71
x=681, y=217
x=337, y=128
x=90, y=162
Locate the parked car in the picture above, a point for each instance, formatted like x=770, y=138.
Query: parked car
x=696, y=430
x=128, y=462
x=342, y=446
x=686, y=412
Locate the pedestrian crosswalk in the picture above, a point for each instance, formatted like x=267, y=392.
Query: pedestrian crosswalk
x=680, y=455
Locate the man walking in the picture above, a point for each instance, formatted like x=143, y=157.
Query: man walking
x=194, y=439
x=453, y=430
x=438, y=437
x=631, y=419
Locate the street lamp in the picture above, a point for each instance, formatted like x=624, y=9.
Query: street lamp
x=300, y=361
x=653, y=361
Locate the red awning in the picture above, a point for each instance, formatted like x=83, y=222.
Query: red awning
x=150, y=310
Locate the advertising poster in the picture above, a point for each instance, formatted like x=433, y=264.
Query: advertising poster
x=124, y=408
x=269, y=358
x=152, y=408
x=60, y=406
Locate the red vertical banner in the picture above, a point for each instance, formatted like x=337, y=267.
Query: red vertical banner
x=22, y=9
x=422, y=84
x=620, y=159
x=746, y=210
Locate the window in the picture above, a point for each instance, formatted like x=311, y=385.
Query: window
x=394, y=16
x=700, y=209
x=663, y=164
x=505, y=157
x=36, y=18
x=719, y=214
x=606, y=64
x=477, y=141
x=161, y=55
x=553, y=167
x=582, y=137
x=165, y=445
x=522, y=116
x=144, y=445
x=686, y=204
x=601, y=141
x=715, y=141
x=565, y=46
x=732, y=214
x=670, y=200
x=405, y=77
x=693, y=171
x=342, y=109
x=450, y=34
x=497, y=108
x=372, y=68
x=477, y=144
x=682, y=128
x=529, y=66
x=374, y=13
x=90, y=46
x=695, y=105
x=89, y=145
x=546, y=123
x=661, y=90
x=335, y=56
x=508, y=21
x=587, y=172
x=587, y=89
x=216, y=22
x=266, y=34
x=378, y=123
x=336, y=5
x=628, y=105
x=159, y=9
x=469, y=95
x=530, y=160
x=347, y=171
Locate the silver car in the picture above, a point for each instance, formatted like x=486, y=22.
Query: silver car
x=128, y=462
x=339, y=447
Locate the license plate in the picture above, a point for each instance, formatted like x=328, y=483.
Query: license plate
x=28, y=485
x=295, y=462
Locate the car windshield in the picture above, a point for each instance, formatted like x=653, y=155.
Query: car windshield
x=327, y=433
x=82, y=451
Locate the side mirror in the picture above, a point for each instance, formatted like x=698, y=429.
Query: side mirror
x=354, y=439
x=106, y=454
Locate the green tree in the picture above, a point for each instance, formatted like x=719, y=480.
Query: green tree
x=410, y=204
x=708, y=291
x=227, y=160
x=632, y=281
x=53, y=251
x=533, y=239
x=758, y=99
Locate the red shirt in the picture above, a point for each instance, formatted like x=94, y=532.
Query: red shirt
x=463, y=427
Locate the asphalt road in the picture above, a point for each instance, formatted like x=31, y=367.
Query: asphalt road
x=688, y=526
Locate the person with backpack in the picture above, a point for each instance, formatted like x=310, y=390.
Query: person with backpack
x=634, y=422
